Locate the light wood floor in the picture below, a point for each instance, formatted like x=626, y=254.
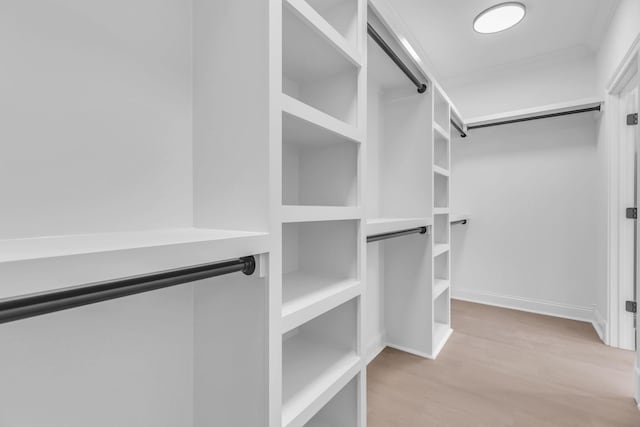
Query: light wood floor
x=505, y=368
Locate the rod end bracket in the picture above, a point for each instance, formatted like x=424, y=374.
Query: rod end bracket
x=249, y=265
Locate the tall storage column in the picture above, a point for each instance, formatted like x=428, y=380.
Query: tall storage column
x=441, y=329
x=318, y=212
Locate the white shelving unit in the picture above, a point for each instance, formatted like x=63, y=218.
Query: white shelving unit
x=399, y=198
x=235, y=134
x=441, y=267
x=320, y=214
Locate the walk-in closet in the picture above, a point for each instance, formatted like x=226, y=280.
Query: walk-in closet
x=322, y=213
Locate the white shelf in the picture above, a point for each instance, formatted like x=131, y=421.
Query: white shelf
x=312, y=18
x=313, y=373
x=390, y=225
x=440, y=130
x=319, y=213
x=439, y=249
x=440, y=211
x=50, y=257
x=306, y=296
x=302, y=111
x=439, y=286
x=440, y=171
x=536, y=111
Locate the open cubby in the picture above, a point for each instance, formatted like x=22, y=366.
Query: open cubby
x=341, y=411
x=441, y=229
x=318, y=166
x=316, y=355
x=442, y=310
x=441, y=110
x=440, y=151
x=321, y=249
x=342, y=15
x=315, y=72
x=441, y=266
x=440, y=191
x=319, y=262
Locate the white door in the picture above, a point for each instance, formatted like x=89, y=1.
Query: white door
x=633, y=136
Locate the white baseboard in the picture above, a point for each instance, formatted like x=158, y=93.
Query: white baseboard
x=549, y=308
x=600, y=325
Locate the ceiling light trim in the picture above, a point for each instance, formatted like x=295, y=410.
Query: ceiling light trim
x=498, y=6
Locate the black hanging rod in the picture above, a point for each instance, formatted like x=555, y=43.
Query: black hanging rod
x=422, y=87
x=458, y=128
x=23, y=307
x=460, y=221
x=385, y=236
x=542, y=116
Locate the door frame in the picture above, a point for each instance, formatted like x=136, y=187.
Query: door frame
x=619, y=260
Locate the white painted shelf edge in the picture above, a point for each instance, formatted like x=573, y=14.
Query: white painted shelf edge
x=291, y=213
x=307, y=296
x=319, y=24
x=389, y=225
x=12, y=250
x=439, y=287
x=440, y=130
x=536, y=111
x=50, y=257
x=307, y=113
x=439, y=249
x=440, y=170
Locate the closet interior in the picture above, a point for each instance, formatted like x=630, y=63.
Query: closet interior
x=221, y=212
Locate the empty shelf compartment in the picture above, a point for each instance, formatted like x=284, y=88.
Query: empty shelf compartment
x=441, y=266
x=342, y=15
x=319, y=262
x=341, y=411
x=441, y=229
x=315, y=72
x=440, y=191
x=318, y=358
x=440, y=151
x=319, y=166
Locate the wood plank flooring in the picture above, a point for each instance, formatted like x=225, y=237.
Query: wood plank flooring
x=505, y=368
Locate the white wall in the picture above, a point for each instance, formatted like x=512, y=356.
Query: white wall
x=623, y=30
x=562, y=76
x=523, y=184
x=97, y=115
x=530, y=190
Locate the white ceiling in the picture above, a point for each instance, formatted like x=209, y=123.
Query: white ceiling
x=444, y=28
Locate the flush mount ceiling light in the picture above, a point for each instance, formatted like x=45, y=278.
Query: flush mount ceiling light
x=499, y=17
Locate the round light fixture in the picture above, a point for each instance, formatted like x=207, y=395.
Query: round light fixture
x=499, y=17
